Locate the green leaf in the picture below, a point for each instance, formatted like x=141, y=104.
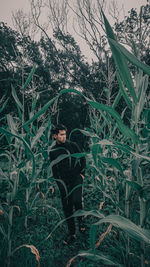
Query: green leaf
x=29, y=77
x=113, y=162
x=117, y=99
x=134, y=185
x=95, y=149
x=78, y=155
x=76, y=187
x=123, y=92
x=59, y=158
x=92, y=123
x=34, y=102
x=37, y=136
x=148, y=117
x=93, y=237
x=131, y=58
x=123, y=128
x=16, y=97
x=105, y=142
x=134, y=48
x=41, y=111
x=142, y=97
x=4, y=105
x=120, y=60
x=106, y=108
x=7, y=133
x=124, y=148
x=136, y=232
x=109, y=30
x=70, y=91
x=2, y=231
x=11, y=124
x=19, y=113
x=107, y=260
x=49, y=122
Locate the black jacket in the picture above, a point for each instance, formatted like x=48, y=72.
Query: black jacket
x=64, y=166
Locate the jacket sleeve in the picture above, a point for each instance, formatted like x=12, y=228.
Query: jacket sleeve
x=82, y=159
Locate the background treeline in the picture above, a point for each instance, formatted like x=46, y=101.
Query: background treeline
x=105, y=105
x=60, y=64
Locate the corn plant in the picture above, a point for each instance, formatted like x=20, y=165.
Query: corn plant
x=117, y=164
x=25, y=159
x=120, y=161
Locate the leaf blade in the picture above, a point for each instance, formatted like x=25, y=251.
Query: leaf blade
x=29, y=77
x=120, y=60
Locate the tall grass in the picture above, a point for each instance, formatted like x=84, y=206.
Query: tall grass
x=120, y=162
x=25, y=157
x=117, y=166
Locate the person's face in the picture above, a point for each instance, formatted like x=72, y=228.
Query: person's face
x=60, y=137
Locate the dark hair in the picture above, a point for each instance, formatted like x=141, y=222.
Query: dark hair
x=56, y=128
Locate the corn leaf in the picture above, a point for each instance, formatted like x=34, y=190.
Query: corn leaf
x=120, y=60
x=33, y=250
x=113, y=162
x=2, y=231
x=19, y=113
x=131, y=58
x=123, y=92
x=117, y=99
x=11, y=124
x=124, y=148
x=92, y=123
x=123, y=128
x=93, y=237
x=136, y=232
x=78, y=155
x=95, y=149
x=7, y=133
x=29, y=77
x=142, y=96
x=88, y=133
x=16, y=97
x=134, y=185
x=4, y=105
x=106, y=108
x=106, y=260
x=37, y=136
x=34, y=102
x=70, y=91
x=40, y=112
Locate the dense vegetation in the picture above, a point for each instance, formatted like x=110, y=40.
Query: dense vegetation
x=106, y=107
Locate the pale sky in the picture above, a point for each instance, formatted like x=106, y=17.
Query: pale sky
x=9, y=6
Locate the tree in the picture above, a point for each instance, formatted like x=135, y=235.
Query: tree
x=134, y=30
x=9, y=53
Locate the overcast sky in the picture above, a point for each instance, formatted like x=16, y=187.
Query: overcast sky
x=7, y=6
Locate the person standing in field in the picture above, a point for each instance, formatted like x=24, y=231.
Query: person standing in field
x=68, y=172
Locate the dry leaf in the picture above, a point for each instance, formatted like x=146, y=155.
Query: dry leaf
x=98, y=178
x=70, y=261
x=43, y=196
x=103, y=235
x=53, y=190
x=33, y=250
x=1, y=212
x=101, y=205
x=18, y=208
